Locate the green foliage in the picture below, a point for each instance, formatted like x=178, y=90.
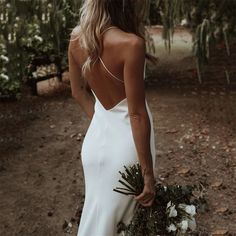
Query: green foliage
x=210, y=21
x=8, y=85
x=171, y=13
x=213, y=22
x=154, y=220
x=154, y=15
x=34, y=33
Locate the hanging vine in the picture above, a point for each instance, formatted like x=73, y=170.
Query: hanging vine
x=210, y=21
x=36, y=32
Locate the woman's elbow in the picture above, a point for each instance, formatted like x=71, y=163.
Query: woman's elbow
x=138, y=115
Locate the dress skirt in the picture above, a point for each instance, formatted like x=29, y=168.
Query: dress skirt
x=108, y=146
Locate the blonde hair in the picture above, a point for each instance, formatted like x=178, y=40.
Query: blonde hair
x=97, y=15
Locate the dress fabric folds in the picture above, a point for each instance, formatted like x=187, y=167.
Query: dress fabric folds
x=108, y=146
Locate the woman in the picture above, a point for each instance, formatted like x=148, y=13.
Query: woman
x=107, y=57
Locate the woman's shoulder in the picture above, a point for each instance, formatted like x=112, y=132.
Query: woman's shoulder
x=132, y=39
x=133, y=46
x=74, y=43
x=125, y=44
x=134, y=42
x=75, y=32
x=126, y=40
x=76, y=29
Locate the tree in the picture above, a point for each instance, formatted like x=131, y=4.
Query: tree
x=210, y=21
x=33, y=33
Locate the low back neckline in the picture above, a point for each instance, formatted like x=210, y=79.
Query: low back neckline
x=114, y=106
x=115, y=77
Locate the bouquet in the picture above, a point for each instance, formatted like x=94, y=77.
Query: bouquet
x=172, y=213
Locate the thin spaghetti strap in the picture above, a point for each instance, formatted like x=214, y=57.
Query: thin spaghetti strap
x=109, y=70
x=111, y=27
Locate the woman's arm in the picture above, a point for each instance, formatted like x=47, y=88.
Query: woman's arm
x=78, y=86
x=140, y=122
x=135, y=93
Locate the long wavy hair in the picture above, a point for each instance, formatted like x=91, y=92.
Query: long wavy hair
x=97, y=15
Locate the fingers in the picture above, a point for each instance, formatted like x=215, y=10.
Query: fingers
x=147, y=193
x=146, y=198
x=143, y=196
x=147, y=202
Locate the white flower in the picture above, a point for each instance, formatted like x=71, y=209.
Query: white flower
x=168, y=204
x=43, y=17
x=173, y=212
x=192, y=224
x=165, y=188
x=9, y=37
x=171, y=209
x=2, y=46
x=191, y=210
x=35, y=74
x=36, y=26
x=171, y=227
x=184, y=22
x=38, y=38
x=4, y=58
x=4, y=76
x=183, y=225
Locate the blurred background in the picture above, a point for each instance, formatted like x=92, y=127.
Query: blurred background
x=191, y=91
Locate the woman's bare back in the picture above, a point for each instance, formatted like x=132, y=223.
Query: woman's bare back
x=106, y=77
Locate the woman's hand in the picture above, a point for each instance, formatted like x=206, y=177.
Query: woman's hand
x=146, y=198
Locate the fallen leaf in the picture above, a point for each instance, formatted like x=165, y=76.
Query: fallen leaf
x=219, y=232
x=221, y=209
x=183, y=170
x=171, y=131
x=216, y=183
x=73, y=135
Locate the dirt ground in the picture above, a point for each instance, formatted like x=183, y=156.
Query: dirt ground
x=41, y=176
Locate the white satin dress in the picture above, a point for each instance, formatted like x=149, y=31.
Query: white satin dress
x=108, y=146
